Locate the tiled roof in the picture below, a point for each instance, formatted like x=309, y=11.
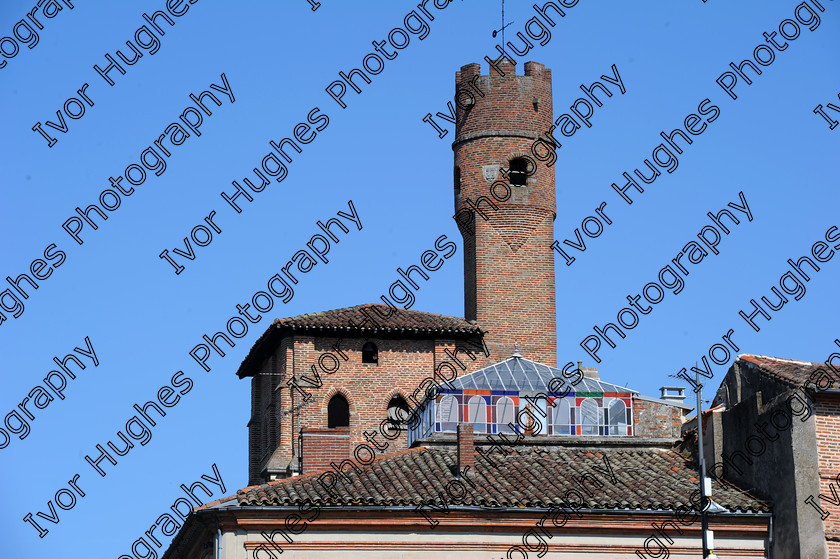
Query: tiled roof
x=400, y=320
x=382, y=319
x=646, y=479
x=788, y=371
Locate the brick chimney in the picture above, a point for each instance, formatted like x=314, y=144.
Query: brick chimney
x=466, y=447
x=319, y=447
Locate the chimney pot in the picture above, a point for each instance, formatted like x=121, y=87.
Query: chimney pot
x=672, y=393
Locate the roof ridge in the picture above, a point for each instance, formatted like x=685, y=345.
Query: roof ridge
x=366, y=305
x=218, y=501
x=783, y=359
x=536, y=365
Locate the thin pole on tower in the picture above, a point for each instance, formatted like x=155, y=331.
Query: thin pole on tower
x=503, y=24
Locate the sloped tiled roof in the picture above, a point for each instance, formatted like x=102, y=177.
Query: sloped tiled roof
x=789, y=371
x=646, y=479
x=401, y=320
x=383, y=320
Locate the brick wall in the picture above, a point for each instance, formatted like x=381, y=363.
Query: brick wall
x=368, y=387
x=827, y=421
x=278, y=414
x=321, y=446
x=508, y=259
x=655, y=420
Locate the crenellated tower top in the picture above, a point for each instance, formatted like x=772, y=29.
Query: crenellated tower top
x=508, y=259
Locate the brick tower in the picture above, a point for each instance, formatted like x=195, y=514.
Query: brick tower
x=508, y=260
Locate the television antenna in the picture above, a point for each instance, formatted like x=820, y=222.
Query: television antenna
x=502, y=29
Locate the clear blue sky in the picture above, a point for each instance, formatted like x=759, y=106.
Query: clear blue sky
x=142, y=319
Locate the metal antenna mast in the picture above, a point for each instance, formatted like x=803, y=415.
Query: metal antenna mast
x=702, y=460
x=503, y=26
x=707, y=536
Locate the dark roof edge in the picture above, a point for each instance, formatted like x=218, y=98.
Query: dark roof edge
x=192, y=527
x=277, y=331
x=463, y=508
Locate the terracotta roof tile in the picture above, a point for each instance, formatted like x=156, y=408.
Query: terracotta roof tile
x=650, y=479
x=788, y=371
x=383, y=315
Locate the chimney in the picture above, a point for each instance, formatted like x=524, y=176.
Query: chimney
x=589, y=372
x=673, y=393
x=466, y=447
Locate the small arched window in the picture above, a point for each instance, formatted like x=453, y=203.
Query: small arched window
x=505, y=415
x=477, y=414
x=561, y=417
x=457, y=180
x=397, y=412
x=338, y=412
x=518, y=173
x=447, y=414
x=589, y=417
x=370, y=353
x=617, y=417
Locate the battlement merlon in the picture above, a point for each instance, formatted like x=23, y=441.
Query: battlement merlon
x=486, y=105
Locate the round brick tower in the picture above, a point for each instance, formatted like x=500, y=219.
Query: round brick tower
x=505, y=207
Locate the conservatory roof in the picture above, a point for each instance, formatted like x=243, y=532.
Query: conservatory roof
x=518, y=374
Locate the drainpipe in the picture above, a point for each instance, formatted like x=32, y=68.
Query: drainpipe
x=770, y=539
x=218, y=540
x=300, y=453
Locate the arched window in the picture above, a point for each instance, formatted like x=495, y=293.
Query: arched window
x=338, y=412
x=561, y=417
x=447, y=414
x=518, y=173
x=589, y=417
x=505, y=414
x=397, y=412
x=370, y=354
x=477, y=414
x=457, y=180
x=617, y=417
